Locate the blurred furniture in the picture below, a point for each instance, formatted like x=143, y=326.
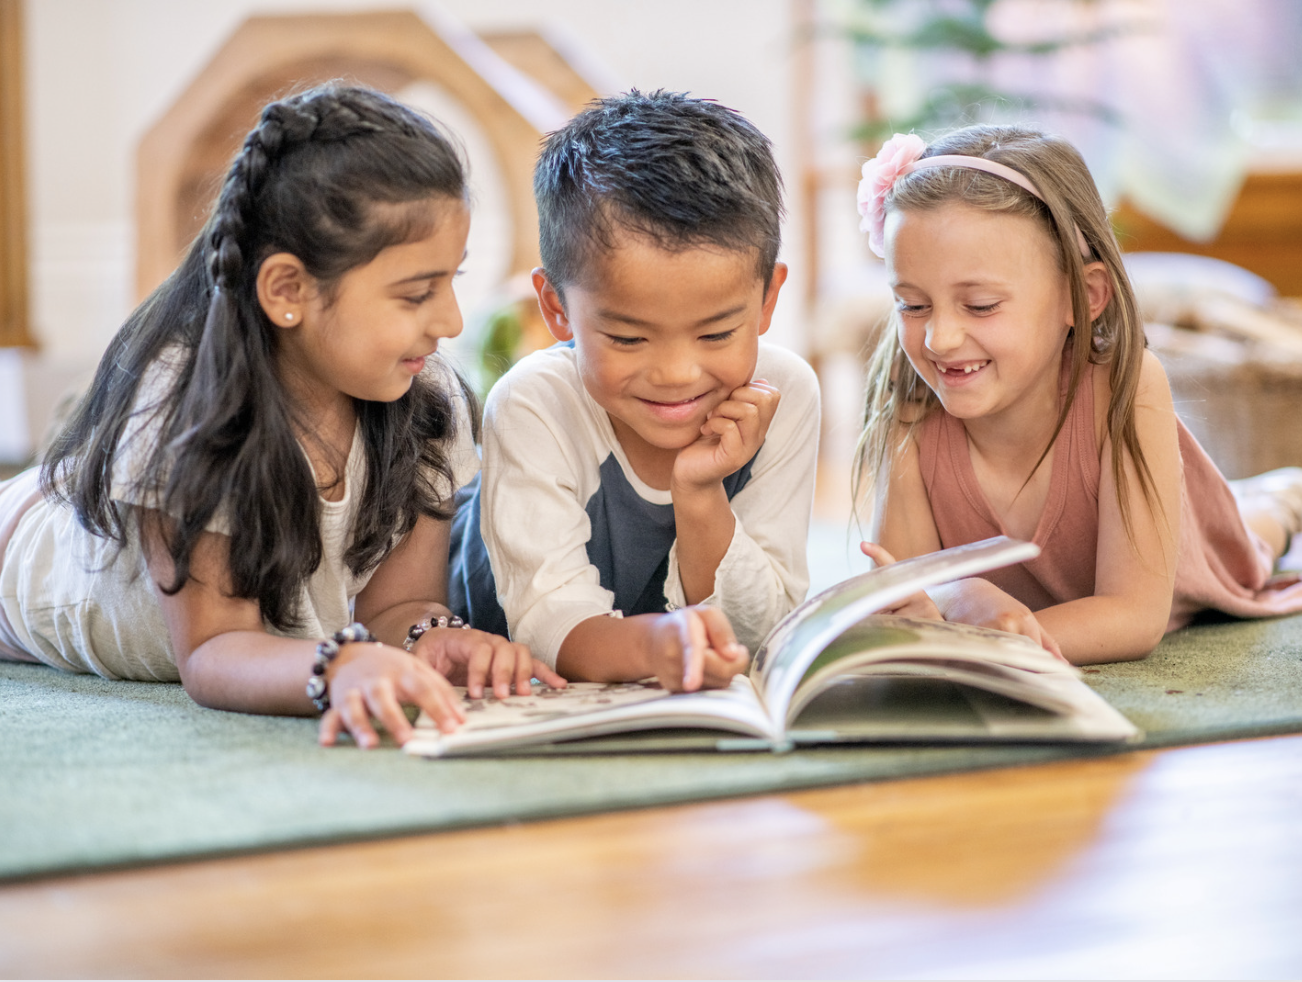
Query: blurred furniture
x=1263, y=232
x=13, y=198
x=1232, y=350
x=183, y=157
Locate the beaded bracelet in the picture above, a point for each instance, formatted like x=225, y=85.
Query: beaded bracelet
x=420, y=627
x=327, y=651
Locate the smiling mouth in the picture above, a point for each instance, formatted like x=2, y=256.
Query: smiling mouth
x=676, y=411
x=963, y=370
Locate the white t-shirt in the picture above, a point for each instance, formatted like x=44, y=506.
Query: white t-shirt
x=545, y=443
x=79, y=603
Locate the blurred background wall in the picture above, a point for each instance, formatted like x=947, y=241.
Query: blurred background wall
x=1189, y=112
x=99, y=73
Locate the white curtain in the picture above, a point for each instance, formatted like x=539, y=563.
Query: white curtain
x=1182, y=81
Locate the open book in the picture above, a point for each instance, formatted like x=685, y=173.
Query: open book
x=831, y=671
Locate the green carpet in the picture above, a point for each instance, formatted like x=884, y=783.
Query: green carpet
x=97, y=774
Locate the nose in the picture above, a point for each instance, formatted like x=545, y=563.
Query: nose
x=675, y=366
x=944, y=332
x=447, y=321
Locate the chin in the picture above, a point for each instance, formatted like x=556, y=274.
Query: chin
x=671, y=440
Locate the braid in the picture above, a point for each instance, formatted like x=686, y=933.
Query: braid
x=281, y=127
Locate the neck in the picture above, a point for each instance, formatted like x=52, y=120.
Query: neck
x=1017, y=437
x=653, y=465
x=323, y=423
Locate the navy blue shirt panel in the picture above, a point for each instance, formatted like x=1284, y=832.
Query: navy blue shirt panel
x=629, y=546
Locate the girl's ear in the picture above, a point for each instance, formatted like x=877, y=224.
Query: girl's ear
x=553, y=310
x=1098, y=285
x=284, y=287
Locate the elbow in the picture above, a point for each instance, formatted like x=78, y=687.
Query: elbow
x=1145, y=639
x=192, y=683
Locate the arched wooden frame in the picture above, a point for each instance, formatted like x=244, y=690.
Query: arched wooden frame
x=14, y=330
x=183, y=157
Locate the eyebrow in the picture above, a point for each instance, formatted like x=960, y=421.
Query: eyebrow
x=965, y=285
x=433, y=275
x=631, y=321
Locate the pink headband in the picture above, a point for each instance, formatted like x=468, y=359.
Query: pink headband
x=901, y=155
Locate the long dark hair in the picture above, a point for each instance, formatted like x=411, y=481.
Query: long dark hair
x=308, y=181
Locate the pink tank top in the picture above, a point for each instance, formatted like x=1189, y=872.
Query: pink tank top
x=1222, y=564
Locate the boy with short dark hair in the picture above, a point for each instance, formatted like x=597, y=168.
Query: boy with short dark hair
x=647, y=485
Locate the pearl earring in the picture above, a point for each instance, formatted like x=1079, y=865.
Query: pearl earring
x=289, y=316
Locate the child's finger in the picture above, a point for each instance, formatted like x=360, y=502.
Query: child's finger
x=331, y=726
x=356, y=719
x=543, y=673
x=478, y=666
x=523, y=670
x=695, y=643
x=719, y=634
x=440, y=703
x=503, y=669
x=731, y=440
x=719, y=671
x=669, y=647
x=735, y=409
x=1051, y=646
x=763, y=396
x=382, y=701
x=757, y=390
x=876, y=553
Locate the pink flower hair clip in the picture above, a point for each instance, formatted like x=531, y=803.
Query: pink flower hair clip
x=901, y=155
x=893, y=161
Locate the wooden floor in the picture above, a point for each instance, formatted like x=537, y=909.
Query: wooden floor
x=1176, y=864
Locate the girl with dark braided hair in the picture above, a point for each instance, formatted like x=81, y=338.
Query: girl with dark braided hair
x=267, y=456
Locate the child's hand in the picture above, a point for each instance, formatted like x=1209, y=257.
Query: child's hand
x=729, y=437
x=980, y=602
x=694, y=647
x=473, y=658
x=373, y=681
x=918, y=605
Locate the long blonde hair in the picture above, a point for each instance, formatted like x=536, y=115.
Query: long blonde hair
x=897, y=399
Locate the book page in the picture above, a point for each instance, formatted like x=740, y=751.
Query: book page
x=978, y=660
x=585, y=709
x=798, y=639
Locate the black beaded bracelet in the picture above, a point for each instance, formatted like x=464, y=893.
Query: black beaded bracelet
x=327, y=651
x=420, y=627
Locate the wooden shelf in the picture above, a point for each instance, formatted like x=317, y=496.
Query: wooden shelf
x=1263, y=232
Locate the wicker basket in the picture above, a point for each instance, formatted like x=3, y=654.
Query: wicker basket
x=1241, y=399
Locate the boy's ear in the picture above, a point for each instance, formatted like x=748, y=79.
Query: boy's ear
x=284, y=287
x=1098, y=286
x=771, y=295
x=553, y=309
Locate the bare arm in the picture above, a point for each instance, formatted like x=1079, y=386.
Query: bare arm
x=1134, y=581
x=703, y=518
x=902, y=522
x=227, y=660
x=412, y=584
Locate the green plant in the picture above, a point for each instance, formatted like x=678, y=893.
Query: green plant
x=960, y=28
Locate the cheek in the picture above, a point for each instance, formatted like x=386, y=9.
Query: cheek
x=908, y=334
x=601, y=372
